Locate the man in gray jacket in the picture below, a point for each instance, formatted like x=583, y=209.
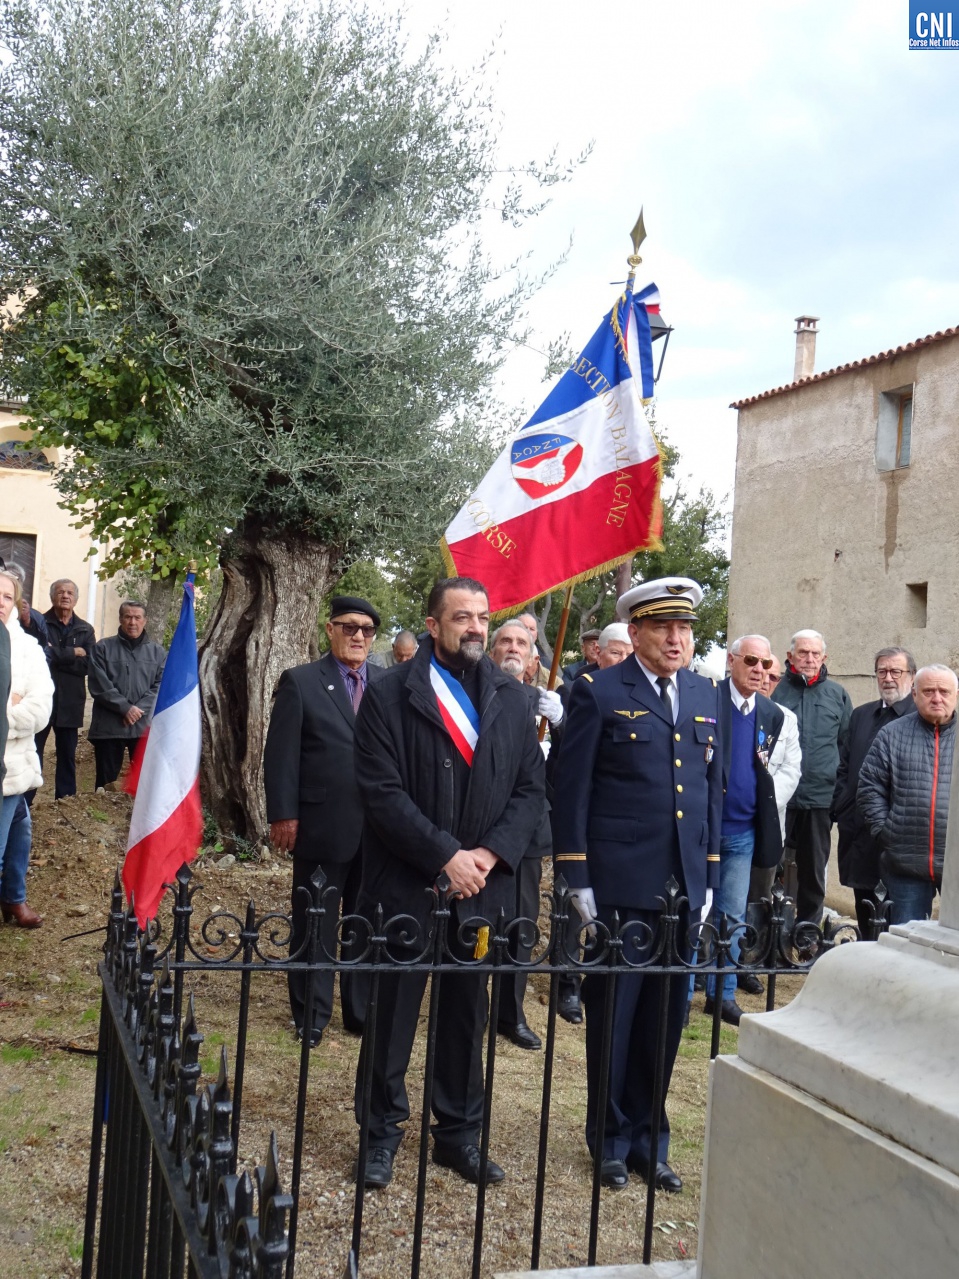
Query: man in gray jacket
x=904, y=793
x=124, y=679
x=823, y=709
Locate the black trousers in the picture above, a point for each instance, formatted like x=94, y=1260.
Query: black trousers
x=345, y=877
x=457, y=1100
x=633, y=1045
x=108, y=753
x=807, y=832
x=65, y=778
x=512, y=990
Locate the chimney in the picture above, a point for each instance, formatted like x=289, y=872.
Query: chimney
x=805, y=346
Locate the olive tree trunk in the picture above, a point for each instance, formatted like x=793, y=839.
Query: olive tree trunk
x=162, y=594
x=265, y=621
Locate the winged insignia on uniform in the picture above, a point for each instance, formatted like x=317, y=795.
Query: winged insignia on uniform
x=632, y=714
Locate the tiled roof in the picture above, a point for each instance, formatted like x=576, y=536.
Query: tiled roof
x=845, y=368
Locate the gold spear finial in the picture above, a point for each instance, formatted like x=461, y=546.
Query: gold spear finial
x=637, y=235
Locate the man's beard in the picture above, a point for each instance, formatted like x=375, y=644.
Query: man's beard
x=514, y=666
x=468, y=655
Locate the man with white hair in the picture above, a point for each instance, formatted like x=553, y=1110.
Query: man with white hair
x=823, y=709
x=904, y=793
x=614, y=645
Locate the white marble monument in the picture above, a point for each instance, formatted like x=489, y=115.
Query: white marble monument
x=832, y=1139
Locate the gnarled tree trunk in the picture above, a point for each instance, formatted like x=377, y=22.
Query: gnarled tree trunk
x=162, y=595
x=264, y=622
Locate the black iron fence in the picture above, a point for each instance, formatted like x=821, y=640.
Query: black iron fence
x=166, y=1196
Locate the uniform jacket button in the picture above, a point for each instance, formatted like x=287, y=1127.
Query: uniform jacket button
x=447, y=763
x=679, y=812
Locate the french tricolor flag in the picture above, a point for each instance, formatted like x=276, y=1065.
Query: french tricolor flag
x=166, y=826
x=576, y=491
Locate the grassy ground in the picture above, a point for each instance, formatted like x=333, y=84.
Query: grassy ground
x=49, y=992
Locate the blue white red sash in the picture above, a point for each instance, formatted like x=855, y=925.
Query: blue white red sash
x=459, y=714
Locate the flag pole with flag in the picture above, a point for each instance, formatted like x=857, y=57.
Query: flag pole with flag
x=576, y=492
x=166, y=825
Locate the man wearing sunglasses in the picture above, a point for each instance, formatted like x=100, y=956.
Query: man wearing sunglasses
x=750, y=835
x=312, y=802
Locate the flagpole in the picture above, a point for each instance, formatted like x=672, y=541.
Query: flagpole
x=637, y=235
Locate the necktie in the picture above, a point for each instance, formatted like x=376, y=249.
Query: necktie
x=356, y=689
x=745, y=708
x=663, y=683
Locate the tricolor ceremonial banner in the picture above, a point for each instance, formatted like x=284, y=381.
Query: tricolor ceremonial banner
x=577, y=490
x=167, y=822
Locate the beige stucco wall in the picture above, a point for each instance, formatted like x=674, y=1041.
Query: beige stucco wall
x=821, y=538
x=28, y=505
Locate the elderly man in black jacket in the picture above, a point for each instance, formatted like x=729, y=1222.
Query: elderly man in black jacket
x=312, y=803
x=859, y=853
x=903, y=793
x=124, y=679
x=451, y=780
x=71, y=642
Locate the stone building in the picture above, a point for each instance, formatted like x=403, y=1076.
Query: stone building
x=38, y=535
x=844, y=514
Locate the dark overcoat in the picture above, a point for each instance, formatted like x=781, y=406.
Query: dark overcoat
x=69, y=672
x=121, y=675
x=768, y=849
x=859, y=853
x=308, y=761
x=408, y=789
x=637, y=797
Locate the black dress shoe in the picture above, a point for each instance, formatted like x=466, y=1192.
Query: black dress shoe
x=730, y=1011
x=666, y=1179
x=353, y=1027
x=466, y=1161
x=750, y=983
x=316, y=1037
x=379, y=1167
x=614, y=1174
x=520, y=1035
x=570, y=1008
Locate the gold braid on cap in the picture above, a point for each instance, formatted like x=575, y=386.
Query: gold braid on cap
x=679, y=610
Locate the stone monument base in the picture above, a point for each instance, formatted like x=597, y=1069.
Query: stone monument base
x=832, y=1140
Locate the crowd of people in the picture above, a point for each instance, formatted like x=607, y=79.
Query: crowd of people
x=389, y=779
x=47, y=662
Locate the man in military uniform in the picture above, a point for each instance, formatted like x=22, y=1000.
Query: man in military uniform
x=639, y=799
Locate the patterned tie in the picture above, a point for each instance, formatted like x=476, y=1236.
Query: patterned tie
x=663, y=683
x=356, y=689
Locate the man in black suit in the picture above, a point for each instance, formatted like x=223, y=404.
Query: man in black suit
x=312, y=803
x=751, y=833
x=638, y=800
x=451, y=779
x=859, y=853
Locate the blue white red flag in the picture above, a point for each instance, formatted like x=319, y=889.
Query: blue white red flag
x=459, y=714
x=577, y=490
x=167, y=822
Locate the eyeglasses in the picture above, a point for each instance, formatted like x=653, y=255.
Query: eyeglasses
x=752, y=660
x=774, y=679
x=349, y=629
x=894, y=671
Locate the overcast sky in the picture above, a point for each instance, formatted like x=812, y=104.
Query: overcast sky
x=793, y=157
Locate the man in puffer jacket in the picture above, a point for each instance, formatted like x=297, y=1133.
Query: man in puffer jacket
x=904, y=793
x=823, y=710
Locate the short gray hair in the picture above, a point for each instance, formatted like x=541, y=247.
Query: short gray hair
x=515, y=624
x=132, y=604
x=937, y=668
x=808, y=634
x=737, y=644
x=895, y=651
x=59, y=582
x=615, y=631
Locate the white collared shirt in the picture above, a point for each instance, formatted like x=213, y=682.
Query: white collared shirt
x=672, y=690
x=745, y=705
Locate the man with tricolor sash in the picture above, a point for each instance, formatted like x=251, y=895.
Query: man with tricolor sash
x=451, y=781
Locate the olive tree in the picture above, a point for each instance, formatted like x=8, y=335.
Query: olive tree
x=273, y=226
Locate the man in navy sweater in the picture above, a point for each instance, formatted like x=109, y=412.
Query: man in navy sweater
x=750, y=834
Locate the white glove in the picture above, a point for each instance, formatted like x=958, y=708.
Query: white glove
x=585, y=903
x=550, y=706
x=709, y=903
